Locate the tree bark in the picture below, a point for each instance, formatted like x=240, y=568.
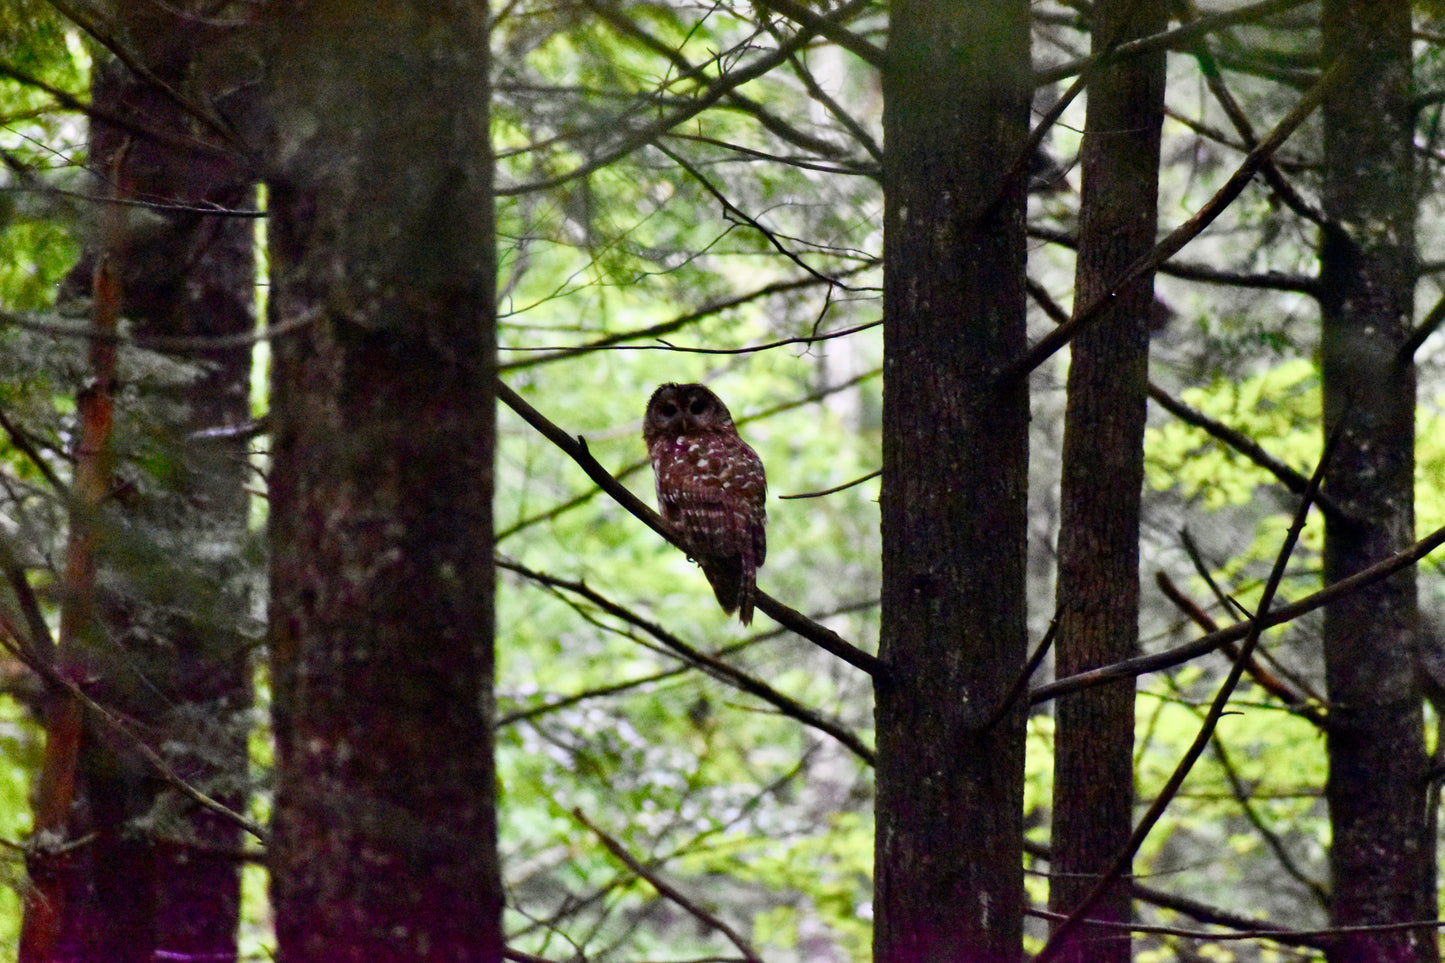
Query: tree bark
x=384, y=843
x=948, y=863
x=1383, y=837
x=1103, y=475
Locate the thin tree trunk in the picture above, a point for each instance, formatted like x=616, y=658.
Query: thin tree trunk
x=166, y=649
x=384, y=844
x=1103, y=474
x=1383, y=849
x=948, y=863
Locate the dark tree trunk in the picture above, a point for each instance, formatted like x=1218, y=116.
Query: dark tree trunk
x=1103, y=474
x=1383, y=838
x=948, y=863
x=381, y=529
x=160, y=875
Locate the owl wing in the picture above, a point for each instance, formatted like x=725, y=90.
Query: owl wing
x=712, y=487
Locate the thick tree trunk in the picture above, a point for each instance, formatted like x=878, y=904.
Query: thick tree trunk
x=1103, y=474
x=381, y=529
x=159, y=875
x=948, y=860
x=1383, y=838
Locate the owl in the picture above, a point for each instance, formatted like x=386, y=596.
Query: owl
x=710, y=485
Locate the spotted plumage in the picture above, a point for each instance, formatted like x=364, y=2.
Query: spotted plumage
x=710, y=484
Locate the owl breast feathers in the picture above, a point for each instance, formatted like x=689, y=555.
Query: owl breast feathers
x=711, y=486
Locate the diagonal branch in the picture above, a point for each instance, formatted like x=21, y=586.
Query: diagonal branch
x=576, y=448
x=1184, y=233
x=830, y=28
x=1176, y=38
x=720, y=88
x=1238, y=440
x=1130, y=668
x=668, y=890
x=714, y=667
x=1249, y=448
x=1207, y=728
x=1296, y=701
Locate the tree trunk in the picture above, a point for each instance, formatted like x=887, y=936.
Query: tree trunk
x=948, y=863
x=1383, y=838
x=1103, y=474
x=159, y=875
x=383, y=416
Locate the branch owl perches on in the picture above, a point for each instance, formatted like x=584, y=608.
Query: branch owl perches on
x=711, y=486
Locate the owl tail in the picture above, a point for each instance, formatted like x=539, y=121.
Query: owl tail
x=732, y=581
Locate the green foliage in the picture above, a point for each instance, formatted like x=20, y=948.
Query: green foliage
x=1278, y=409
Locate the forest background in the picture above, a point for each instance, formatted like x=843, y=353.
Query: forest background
x=1084, y=344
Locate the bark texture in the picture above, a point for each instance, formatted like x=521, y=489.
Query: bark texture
x=1103, y=474
x=1383, y=838
x=948, y=860
x=383, y=415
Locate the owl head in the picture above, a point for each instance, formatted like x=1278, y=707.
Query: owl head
x=676, y=410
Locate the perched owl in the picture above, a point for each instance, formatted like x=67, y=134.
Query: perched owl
x=710, y=484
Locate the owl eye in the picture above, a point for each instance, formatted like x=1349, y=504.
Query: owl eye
x=698, y=406
x=667, y=409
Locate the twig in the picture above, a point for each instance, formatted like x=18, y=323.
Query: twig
x=1238, y=440
x=1174, y=39
x=1213, y=78
x=1270, y=837
x=1296, y=701
x=837, y=488
x=21, y=442
x=1022, y=682
x=1199, y=912
x=1268, y=281
x=170, y=344
x=710, y=95
x=1130, y=668
x=665, y=327
x=1249, y=448
x=667, y=889
x=1184, y=233
x=830, y=29
x=714, y=667
x=1321, y=938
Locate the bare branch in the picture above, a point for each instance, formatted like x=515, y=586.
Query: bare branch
x=1203, y=913
x=830, y=28
x=1175, y=39
x=1271, y=838
x=1296, y=701
x=1283, y=189
x=838, y=488
x=1131, y=668
x=710, y=95
x=730, y=208
x=1248, y=447
x=636, y=466
x=1423, y=330
x=1202, y=739
x=713, y=666
x=667, y=889
x=666, y=327
x=1269, y=281
x=1184, y=233
x=576, y=448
